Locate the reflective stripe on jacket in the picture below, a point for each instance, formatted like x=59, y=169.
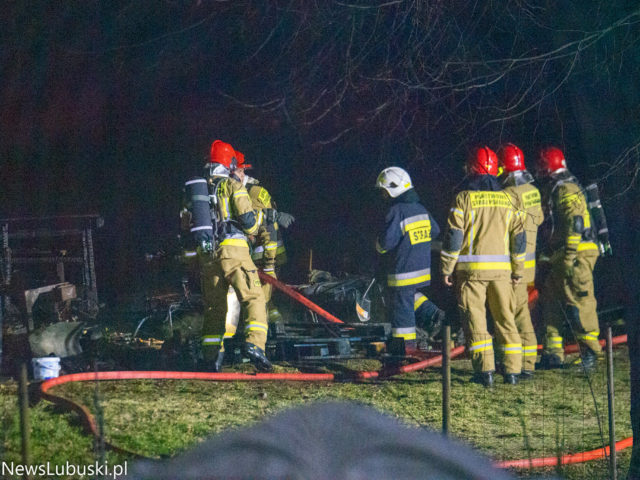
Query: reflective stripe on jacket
x=485, y=237
x=533, y=218
x=234, y=207
x=405, y=242
x=571, y=221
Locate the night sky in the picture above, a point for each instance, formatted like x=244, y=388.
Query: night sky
x=108, y=107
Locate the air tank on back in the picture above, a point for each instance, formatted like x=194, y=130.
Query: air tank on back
x=198, y=195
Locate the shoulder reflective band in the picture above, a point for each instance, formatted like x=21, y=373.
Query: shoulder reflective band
x=531, y=199
x=417, y=221
x=409, y=278
x=490, y=199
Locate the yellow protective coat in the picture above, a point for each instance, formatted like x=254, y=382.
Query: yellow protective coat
x=483, y=249
x=533, y=218
x=567, y=293
x=231, y=265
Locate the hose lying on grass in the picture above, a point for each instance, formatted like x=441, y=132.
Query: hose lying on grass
x=89, y=423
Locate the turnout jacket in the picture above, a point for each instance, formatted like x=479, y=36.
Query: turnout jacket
x=236, y=214
x=485, y=237
x=261, y=200
x=520, y=185
x=570, y=221
x=405, y=242
x=265, y=251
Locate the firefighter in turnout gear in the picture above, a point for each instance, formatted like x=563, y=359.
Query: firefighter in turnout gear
x=264, y=255
x=517, y=181
x=230, y=264
x=483, y=255
x=405, y=245
x=567, y=296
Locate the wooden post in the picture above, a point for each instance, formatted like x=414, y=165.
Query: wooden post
x=446, y=379
x=612, y=421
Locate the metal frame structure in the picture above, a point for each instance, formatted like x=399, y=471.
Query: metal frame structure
x=16, y=231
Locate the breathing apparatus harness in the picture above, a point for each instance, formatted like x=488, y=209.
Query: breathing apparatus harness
x=211, y=218
x=597, y=232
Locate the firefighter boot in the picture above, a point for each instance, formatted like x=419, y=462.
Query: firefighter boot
x=550, y=361
x=526, y=375
x=437, y=323
x=257, y=357
x=587, y=361
x=511, y=378
x=483, y=378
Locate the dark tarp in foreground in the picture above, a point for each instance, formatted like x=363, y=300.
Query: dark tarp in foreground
x=325, y=441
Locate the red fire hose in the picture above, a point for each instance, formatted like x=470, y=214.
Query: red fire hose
x=89, y=423
x=296, y=296
x=566, y=459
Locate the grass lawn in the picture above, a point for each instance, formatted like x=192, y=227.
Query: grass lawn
x=555, y=412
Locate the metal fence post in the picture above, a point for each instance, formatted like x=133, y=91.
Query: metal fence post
x=446, y=379
x=25, y=426
x=612, y=420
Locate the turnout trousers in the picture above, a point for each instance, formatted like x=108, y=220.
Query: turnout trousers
x=472, y=297
x=232, y=266
x=569, y=305
x=401, y=313
x=525, y=327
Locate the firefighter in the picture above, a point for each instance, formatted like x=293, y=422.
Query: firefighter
x=516, y=180
x=405, y=246
x=567, y=294
x=264, y=255
x=483, y=255
x=230, y=264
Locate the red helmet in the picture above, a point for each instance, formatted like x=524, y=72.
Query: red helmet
x=511, y=158
x=240, y=158
x=551, y=160
x=224, y=154
x=483, y=161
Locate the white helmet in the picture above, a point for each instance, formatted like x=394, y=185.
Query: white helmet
x=394, y=180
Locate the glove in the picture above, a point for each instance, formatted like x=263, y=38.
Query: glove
x=285, y=219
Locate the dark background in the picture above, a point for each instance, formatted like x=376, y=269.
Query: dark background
x=108, y=107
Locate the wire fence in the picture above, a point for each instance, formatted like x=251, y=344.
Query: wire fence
x=558, y=412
